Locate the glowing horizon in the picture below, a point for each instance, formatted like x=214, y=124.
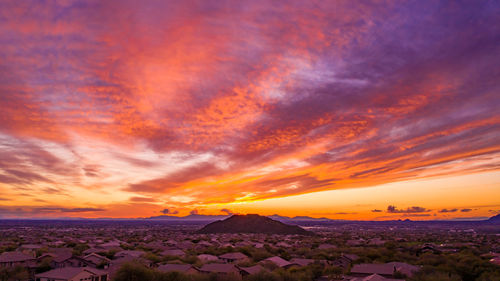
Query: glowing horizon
x=347, y=110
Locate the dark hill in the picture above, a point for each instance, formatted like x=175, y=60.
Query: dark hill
x=494, y=219
x=252, y=224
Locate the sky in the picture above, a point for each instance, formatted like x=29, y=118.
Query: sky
x=340, y=109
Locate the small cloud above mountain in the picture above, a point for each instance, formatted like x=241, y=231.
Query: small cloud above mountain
x=413, y=209
x=447, y=210
x=169, y=212
x=227, y=211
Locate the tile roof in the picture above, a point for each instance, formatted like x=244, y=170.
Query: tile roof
x=219, y=268
x=371, y=268
x=302, y=262
x=374, y=277
x=175, y=267
x=15, y=257
x=252, y=269
x=69, y=272
x=278, y=261
x=233, y=256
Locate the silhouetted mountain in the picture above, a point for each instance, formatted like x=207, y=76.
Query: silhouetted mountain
x=252, y=224
x=306, y=218
x=279, y=218
x=494, y=219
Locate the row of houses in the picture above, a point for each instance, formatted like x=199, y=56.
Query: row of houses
x=73, y=274
x=386, y=270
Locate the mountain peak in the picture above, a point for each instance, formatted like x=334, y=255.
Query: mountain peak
x=252, y=223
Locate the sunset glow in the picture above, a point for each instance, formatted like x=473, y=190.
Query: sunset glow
x=338, y=109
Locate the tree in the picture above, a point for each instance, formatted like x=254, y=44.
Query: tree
x=44, y=265
x=78, y=249
x=13, y=274
x=134, y=272
x=263, y=276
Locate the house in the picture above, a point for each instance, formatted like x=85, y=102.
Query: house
x=171, y=242
x=345, y=260
x=406, y=269
x=29, y=249
x=184, y=245
x=12, y=259
x=220, y=269
x=204, y=244
x=302, y=262
x=258, y=245
x=73, y=274
x=173, y=253
x=112, y=245
x=251, y=270
x=97, y=259
x=134, y=254
x=355, y=242
x=184, y=268
x=428, y=248
x=234, y=257
x=69, y=260
x=208, y=258
x=46, y=256
x=386, y=270
x=92, y=250
x=325, y=246
x=283, y=244
x=374, y=277
x=376, y=242
x=367, y=269
x=279, y=262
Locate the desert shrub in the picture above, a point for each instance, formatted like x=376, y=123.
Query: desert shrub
x=134, y=272
x=78, y=249
x=489, y=275
x=334, y=272
x=109, y=254
x=432, y=276
x=16, y=273
x=190, y=259
x=44, y=265
x=152, y=257
x=263, y=276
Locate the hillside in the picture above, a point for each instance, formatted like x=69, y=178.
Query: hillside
x=252, y=224
x=494, y=219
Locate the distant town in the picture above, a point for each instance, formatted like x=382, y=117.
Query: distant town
x=248, y=247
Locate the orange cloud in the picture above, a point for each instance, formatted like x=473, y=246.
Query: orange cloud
x=201, y=103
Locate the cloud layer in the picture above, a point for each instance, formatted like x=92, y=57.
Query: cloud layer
x=198, y=102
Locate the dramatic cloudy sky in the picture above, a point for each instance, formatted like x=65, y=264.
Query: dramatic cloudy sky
x=343, y=109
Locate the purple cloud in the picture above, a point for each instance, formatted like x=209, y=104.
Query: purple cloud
x=169, y=212
x=414, y=209
x=227, y=211
x=447, y=210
